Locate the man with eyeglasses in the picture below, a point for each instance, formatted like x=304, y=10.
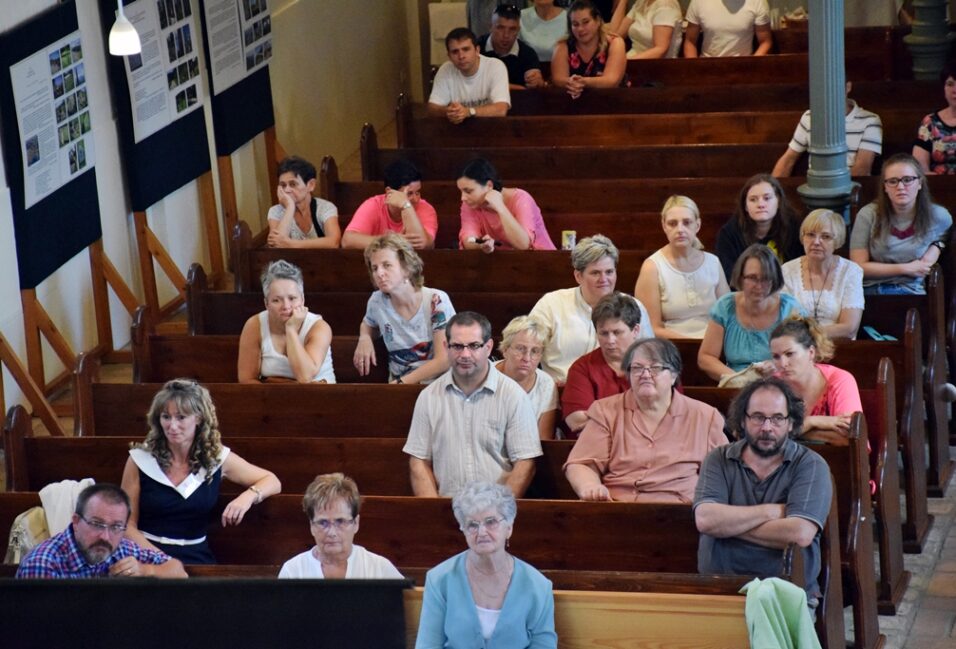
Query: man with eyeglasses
x=763, y=492
x=502, y=43
x=472, y=422
x=94, y=545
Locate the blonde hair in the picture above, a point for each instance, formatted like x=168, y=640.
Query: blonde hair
x=518, y=325
x=821, y=217
x=807, y=333
x=407, y=257
x=676, y=200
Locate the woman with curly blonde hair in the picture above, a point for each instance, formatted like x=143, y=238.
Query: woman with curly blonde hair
x=173, y=476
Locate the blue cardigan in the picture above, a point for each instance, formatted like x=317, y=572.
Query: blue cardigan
x=449, y=618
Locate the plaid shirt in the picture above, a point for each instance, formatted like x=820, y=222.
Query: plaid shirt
x=60, y=558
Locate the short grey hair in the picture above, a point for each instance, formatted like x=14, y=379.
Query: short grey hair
x=281, y=269
x=592, y=249
x=519, y=325
x=478, y=496
x=657, y=349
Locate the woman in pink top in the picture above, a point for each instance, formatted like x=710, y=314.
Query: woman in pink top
x=495, y=216
x=800, y=349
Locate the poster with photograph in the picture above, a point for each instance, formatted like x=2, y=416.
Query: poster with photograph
x=164, y=81
x=240, y=39
x=53, y=117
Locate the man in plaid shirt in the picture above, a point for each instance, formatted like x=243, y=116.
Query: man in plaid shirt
x=94, y=546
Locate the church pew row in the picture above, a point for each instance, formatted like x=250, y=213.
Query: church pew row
x=691, y=98
x=739, y=127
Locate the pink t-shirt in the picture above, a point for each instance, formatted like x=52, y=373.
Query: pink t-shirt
x=480, y=222
x=372, y=218
x=842, y=395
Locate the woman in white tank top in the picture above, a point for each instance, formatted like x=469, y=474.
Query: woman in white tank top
x=285, y=341
x=680, y=282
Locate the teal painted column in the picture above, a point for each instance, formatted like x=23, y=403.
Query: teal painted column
x=930, y=41
x=828, y=179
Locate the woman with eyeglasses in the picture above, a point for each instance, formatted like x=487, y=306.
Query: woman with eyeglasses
x=331, y=504
x=522, y=345
x=741, y=322
x=591, y=56
x=647, y=443
x=600, y=373
x=800, y=350
x=408, y=315
x=897, y=238
x=173, y=476
x=828, y=287
x=485, y=596
x=935, y=146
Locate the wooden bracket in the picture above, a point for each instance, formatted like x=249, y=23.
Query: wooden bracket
x=30, y=388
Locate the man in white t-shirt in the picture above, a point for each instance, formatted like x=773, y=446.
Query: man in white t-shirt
x=728, y=30
x=468, y=84
x=864, y=140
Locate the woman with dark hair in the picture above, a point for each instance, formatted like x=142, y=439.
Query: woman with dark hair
x=591, y=56
x=763, y=215
x=897, y=238
x=496, y=216
x=301, y=220
x=741, y=322
x=935, y=145
x=173, y=476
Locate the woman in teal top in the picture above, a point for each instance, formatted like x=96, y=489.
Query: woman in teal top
x=741, y=322
x=485, y=597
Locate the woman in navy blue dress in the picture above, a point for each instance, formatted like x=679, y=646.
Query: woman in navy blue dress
x=173, y=476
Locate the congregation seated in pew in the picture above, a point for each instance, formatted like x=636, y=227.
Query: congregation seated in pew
x=486, y=592
x=647, y=443
x=728, y=29
x=829, y=287
x=401, y=209
x=331, y=505
x=600, y=373
x=522, y=345
x=762, y=215
x=565, y=314
x=503, y=43
x=94, y=545
x=301, y=220
x=741, y=322
x=408, y=315
x=468, y=84
x=764, y=491
x=285, y=342
x=472, y=422
x=679, y=283
x=173, y=477
x=495, y=216
x=591, y=56
x=898, y=238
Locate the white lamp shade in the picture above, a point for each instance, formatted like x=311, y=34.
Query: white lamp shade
x=123, y=38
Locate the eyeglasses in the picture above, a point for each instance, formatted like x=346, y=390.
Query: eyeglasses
x=756, y=279
x=114, y=529
x=326, y=524
x=759, y=419
x=653, y=370
x=491, y=524
x=522, y=351
x=460, y=347
x=906, y=180
x=825, y=237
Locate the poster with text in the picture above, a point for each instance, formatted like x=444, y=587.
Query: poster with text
x=53, y=116
x=240, y=39
x=164, y=80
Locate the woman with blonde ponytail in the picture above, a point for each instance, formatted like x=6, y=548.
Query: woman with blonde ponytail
x=679, y=283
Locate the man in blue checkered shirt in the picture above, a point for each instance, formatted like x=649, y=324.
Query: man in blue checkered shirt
x=94, y=546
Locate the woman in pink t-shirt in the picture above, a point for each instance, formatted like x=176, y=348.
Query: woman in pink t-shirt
x=493, y=216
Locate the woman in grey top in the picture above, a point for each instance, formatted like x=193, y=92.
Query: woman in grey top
x=898, y=237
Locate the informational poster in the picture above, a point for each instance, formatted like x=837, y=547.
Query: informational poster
x=164, y=80
x=53, y=115
x=240, y=39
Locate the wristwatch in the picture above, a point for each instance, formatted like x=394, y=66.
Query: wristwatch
x=939, y=244
x=406, y=205
x=471, y=112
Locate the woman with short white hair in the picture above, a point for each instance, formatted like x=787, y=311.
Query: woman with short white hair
x=522, y=345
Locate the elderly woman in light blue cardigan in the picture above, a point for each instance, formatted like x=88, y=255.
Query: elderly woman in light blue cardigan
x=485, y=597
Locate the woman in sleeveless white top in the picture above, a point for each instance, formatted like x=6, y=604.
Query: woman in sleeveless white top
x=285, y=341
x=679, y=283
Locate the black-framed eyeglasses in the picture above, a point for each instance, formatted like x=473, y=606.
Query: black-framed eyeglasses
x=460, y=347
x=325, y=524
x=906, y=180
x=653, y=370
x=758, y=419
x=114, y=529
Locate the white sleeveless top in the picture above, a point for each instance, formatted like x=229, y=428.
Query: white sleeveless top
x=686, y=298
x=273, y=363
